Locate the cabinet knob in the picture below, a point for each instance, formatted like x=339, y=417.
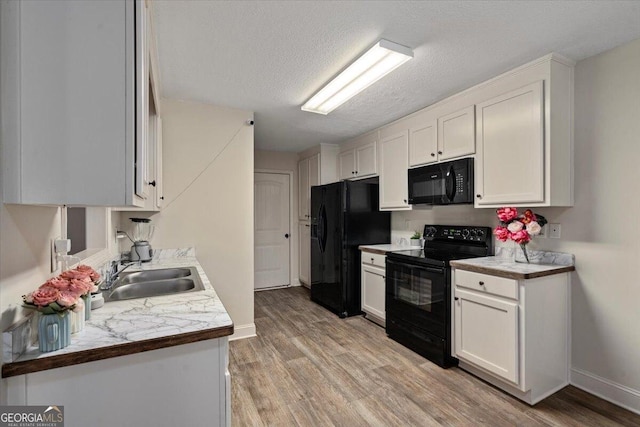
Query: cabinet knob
x=439, y=152
x=456, y=298
x=153, y=183
x=356, y=172
x=481, y=283
x=371, y=259
x=479, y=196
x=286, y=236
x=161, y=197
x=405, y=200
x=353, y=172
x=433, y=154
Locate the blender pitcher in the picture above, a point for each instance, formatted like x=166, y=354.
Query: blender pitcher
x=142, y=233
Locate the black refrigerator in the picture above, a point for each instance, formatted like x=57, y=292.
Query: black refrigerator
x=344, y=215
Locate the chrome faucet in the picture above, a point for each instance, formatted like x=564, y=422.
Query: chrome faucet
x=112, y=274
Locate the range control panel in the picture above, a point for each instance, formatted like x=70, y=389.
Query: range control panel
x=457, y=232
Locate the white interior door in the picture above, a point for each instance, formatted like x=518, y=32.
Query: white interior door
x=271, y=227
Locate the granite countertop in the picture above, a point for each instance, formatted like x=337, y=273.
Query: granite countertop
x=383, y=249
x=132, y=326
x=543, y=264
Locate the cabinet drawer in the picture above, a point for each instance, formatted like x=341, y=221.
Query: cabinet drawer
x=373, y=259
x=500, y=286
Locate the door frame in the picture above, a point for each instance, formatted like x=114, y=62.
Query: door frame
x=292, y=213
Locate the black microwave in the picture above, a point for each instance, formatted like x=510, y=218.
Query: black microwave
x=444, y=183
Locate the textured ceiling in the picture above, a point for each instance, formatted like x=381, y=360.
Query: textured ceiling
x=271, y=56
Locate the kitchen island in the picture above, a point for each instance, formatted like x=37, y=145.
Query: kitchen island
x=158, y=361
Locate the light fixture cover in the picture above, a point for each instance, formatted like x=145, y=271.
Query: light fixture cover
x=377, y=62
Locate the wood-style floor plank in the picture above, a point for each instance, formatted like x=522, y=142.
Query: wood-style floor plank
x=307, y=367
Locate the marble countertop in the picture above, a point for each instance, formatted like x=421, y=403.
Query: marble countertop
x=124, y=325
x=383, y=249
x=549, y=263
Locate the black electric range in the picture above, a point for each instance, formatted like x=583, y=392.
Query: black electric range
x=418, y=288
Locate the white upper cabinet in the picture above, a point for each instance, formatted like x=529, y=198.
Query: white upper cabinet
x=71, y=101
x=511, y=147
x=394, y=166
x=347, y=164
x=316, y=166
x=359, y=159
x=423, y=143
x=456, y=135
x=303, y=190
x=524, y=133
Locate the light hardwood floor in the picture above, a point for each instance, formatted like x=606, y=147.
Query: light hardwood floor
x=307, y=367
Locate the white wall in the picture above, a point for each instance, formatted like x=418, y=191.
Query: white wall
x=285, y=162
x=209, y=203
x=602, y=229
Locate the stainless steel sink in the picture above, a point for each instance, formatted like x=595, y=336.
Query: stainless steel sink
x=151, y=283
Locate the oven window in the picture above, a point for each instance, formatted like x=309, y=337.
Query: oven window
x=417, y=287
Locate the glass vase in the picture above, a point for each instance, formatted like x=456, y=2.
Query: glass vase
x=520, y=253
x=54, y=331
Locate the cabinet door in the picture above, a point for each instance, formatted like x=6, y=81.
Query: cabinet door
x=142, y=103
x=510, y=157
x=373, y=289
x=303, y=189
x=366, y=160
x=423, y=144
x=456, y=134
x=347, y=164
x=304, y=263
x=394, y=164
x=486, y=333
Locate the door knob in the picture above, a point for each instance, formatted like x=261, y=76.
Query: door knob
x=286, y=236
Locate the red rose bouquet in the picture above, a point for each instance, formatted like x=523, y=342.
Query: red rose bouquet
x=519, y=228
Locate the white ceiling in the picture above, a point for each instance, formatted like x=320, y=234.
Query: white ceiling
x=271, y=56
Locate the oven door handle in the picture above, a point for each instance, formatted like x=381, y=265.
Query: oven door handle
x=435, y=270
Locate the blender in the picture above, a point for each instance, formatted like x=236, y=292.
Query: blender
x=142, y=233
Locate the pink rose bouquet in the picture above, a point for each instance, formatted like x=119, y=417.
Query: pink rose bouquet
x=519, y=228
x=62, y=293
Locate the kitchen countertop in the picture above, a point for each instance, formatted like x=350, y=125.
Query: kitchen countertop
x=505, y=266
x=133, y=326
x=383, y=249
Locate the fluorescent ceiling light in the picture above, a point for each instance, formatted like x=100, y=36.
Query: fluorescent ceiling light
x=377, y=62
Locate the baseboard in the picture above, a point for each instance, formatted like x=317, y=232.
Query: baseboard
x=615, y=393
x=244, y=331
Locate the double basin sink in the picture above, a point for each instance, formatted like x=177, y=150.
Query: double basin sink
x=152, y=283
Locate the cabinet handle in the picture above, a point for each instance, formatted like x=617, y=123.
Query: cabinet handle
x=481, y=283
x=439, y=152
x=153, y=183
x=479, y=196
x=433, y=154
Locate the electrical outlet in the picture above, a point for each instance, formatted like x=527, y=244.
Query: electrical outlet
x=554, y=231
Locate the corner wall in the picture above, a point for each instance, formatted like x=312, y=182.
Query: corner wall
x=208, y=195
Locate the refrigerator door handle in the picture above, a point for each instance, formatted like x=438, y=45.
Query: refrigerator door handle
x=322, y=228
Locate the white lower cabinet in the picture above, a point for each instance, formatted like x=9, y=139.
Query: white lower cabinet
x=133, y=390
x=372, y=279
x=513, y=333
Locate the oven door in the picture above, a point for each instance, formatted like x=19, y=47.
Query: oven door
x=417, y=295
